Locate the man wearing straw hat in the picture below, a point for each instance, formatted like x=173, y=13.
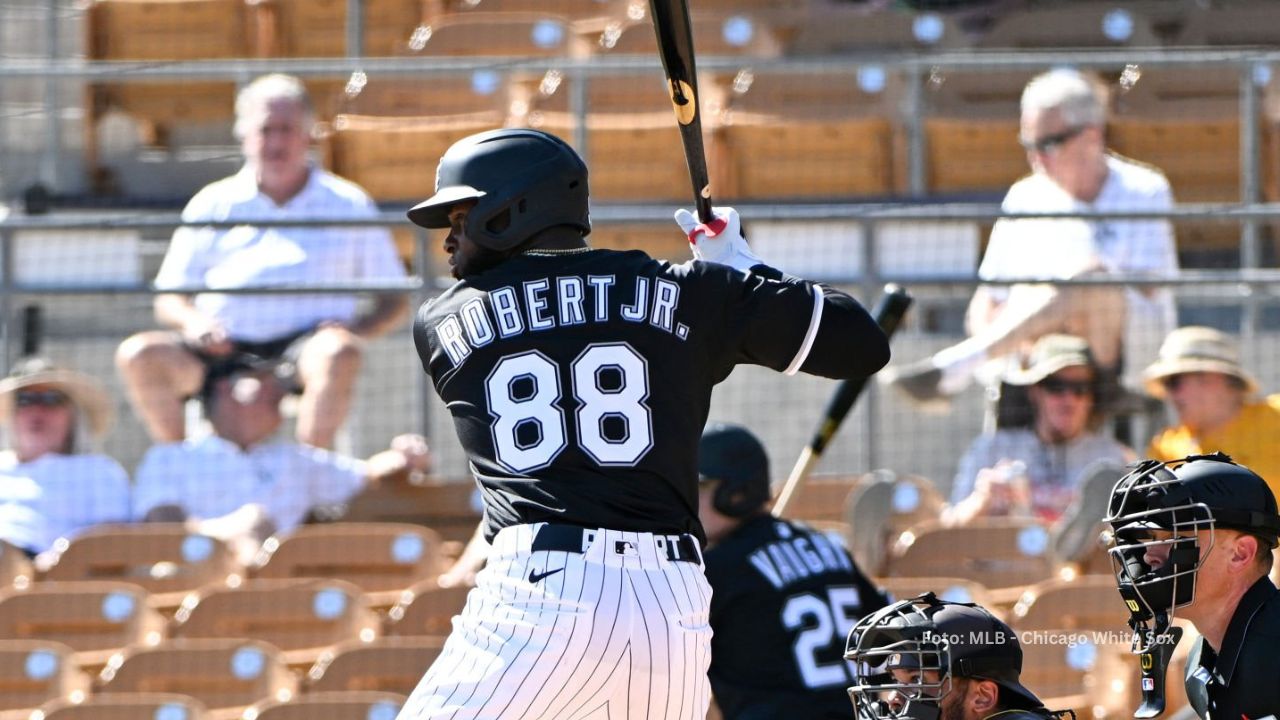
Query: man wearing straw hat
x=51, y=484
x=1198, y=372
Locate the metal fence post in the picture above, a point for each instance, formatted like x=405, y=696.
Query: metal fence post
x=422, y=259
x=7, y=239
x=355, y=28
x=1250, y=192
x=872, y=286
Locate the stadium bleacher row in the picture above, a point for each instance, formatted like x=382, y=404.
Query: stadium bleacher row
x=765, y=131
x=344, y=617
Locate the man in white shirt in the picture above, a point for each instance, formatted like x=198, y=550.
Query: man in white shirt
x=239, y=466
x=1063, y=132
x=52, y=483
x=323, y=334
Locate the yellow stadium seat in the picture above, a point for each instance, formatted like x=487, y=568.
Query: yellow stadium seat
x=95, y=619
x=394, y=158
x=821, y=498
x=354, y=705
x=161, y=30
x=33, y=672
x=166, y=559
x=1085, y=602
x=318, y=28
x=1002, y=553
x=381, y=559
x=883, y=505
x=951, y=589
x=452, y=509
x=426, y=609
x=225, y=675
x=967, y=155
x=127, y=706
x=16, y=570
x=389, y=664
x=300, y=617
x=571, y=9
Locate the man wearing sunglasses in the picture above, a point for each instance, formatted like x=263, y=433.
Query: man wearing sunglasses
x=1062, y=131
x=1200, y=376
x=1038, y=470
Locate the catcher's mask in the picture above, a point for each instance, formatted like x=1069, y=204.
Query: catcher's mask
x=1163, y=518
x=930, y=642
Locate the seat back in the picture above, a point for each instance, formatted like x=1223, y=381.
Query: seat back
x=318, y=28
x=86, y=616
x=1085, y=602
x=822, y=497
x=426, y=609
x=33, y=672
x=223, y=674
x=881, y=506
x=128, y=706
x=159, y=557
x=15, y=567
x=452, y=509
x=999, y=552
x=354, y=705
x=951, y=589
x=394, y=158
x=300, y=617
x=389, y=664
x=372, y=556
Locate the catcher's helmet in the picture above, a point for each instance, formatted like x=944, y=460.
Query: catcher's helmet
x=524, y=181
x=732, y=455
x=934, y=641
x=1177, y=499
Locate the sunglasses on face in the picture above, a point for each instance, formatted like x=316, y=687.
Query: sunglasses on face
x=1050, y=144
x=1055, y=386
x=41, y=398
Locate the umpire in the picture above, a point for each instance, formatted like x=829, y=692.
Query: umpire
x=784, y=595
x=1196, y=535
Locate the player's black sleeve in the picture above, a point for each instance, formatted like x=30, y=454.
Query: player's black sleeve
x=849, y=342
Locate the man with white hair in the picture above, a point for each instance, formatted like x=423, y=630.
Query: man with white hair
x=1063, y=132
x=323, y=334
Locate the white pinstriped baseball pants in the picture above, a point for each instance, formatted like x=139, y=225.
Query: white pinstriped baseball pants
x=620, y=632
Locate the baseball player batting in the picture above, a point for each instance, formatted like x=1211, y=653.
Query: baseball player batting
x=579, y=381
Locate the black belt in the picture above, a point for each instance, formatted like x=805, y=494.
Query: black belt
x=569, y=538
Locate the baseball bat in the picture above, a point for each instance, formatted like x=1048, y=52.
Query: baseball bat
x=675, y=46
x=888, y=314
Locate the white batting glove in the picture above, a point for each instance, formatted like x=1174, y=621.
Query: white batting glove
x=719, y=241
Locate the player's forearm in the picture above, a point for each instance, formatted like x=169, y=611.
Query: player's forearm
x=175, y=311
x=848, y=343
x=388, y=312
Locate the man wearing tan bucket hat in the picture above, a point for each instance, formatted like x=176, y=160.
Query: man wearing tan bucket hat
x=1199, y=373
x=51, y=484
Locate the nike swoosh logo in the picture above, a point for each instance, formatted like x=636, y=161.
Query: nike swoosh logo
x=535, y=576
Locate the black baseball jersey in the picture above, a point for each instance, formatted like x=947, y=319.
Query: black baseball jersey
x=579, y=382
x=784, y=598
x=1242, y=679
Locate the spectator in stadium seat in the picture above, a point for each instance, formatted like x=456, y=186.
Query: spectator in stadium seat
x=236, y=482
x=1038, y=470
x=324, y=334
x=1063, y=132
x=52, y=484
x=1199, y=374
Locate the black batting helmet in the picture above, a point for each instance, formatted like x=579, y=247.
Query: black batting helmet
x=732, y=455
x=524, y=181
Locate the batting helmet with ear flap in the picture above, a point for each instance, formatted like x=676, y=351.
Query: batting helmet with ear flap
x=734, y=457
x=523, y=181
